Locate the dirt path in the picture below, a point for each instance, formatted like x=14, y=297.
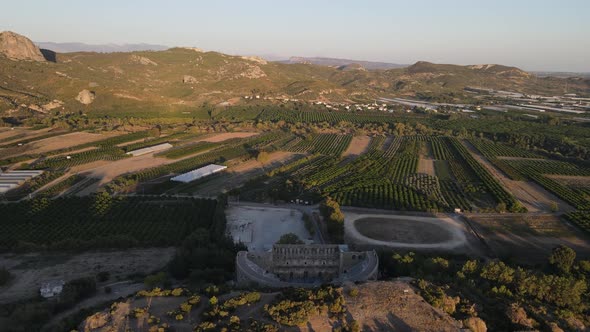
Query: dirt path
x=357, y=146
x=534, y=197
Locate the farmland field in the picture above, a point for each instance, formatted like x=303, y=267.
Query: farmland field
x=102, y=221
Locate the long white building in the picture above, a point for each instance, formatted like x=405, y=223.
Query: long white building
x=199, y=173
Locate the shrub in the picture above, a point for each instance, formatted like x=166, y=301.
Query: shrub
x=103, y=276
x=5, y=276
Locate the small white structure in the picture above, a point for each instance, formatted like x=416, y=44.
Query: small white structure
x=199, y=173
x=457, y=210
x=150, y=149
x=51, y=288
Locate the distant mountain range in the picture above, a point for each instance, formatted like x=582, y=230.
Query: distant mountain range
x=561, y=74
x=100, y=48
x=334, y=62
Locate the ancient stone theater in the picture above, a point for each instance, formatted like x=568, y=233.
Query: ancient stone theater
x=305, y=265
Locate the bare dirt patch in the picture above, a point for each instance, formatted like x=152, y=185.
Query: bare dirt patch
x=18, y=133
x=31, y=270
x=426, y=166
x=358, y=145
x=571, y=181
x=534, y=197
x=528, y=238
x=214, y=138
x=67, y=140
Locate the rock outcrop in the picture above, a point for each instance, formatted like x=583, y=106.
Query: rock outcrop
x=86, y=97
x=255, y=59
x=189, y=79
x=17, y=47
x=475, y=324
x=142, y=60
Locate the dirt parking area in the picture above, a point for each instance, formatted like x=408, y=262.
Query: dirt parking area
x=30, y=271
x=528, y=238
x=358, y=145
x=261, y=227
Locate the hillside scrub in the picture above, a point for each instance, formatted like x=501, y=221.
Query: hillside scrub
x=488, y=290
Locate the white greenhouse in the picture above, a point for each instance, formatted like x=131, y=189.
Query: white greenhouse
x=199, y=173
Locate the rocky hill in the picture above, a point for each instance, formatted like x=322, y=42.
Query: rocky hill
x=373, y=306
x=188, y=77
x=17, y=47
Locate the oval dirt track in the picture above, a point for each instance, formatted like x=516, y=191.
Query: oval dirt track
x=410, y=232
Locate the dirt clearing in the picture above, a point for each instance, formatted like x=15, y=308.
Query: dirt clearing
x=571, y=181
x=67, y=140
x=358, y=145
x=214, y=138
x=528, y=238
x=8, y=135
x=426, y=166
x=31, y=270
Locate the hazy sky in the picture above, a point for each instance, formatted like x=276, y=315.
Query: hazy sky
x=534, y=35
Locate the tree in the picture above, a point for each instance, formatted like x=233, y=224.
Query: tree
x=330, y=210
x=289, y=238
x=154, y=280
x=562, y=258
x=5, y=276
x=554, y=207
x=262, y=157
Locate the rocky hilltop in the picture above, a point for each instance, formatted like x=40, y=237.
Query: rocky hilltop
x=17, y=47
